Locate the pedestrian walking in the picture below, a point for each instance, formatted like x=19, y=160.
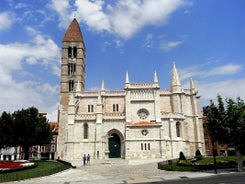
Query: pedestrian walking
x=84, y=159
x=88, y=159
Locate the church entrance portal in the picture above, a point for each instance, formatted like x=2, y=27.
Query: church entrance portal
x=114, y=146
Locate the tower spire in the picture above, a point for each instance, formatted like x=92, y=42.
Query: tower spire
x=127, y=78
x=175, y=83
x=102, y=85
x=155, y=77
x=73, y=33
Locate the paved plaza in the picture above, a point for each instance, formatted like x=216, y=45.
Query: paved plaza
x=113, y=172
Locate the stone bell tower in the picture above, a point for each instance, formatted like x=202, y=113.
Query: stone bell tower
x=72, y=76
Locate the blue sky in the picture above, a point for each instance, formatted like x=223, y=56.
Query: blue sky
x=206, y=40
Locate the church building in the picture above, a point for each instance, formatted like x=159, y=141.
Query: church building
x=141, y=121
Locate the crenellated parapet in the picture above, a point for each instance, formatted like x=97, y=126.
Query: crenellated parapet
x=165, y=92
x=171, y=115
x=115, y=93
x=85, y=117
x=113, y=116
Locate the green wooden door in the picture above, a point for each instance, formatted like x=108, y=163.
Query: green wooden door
x=114, y=146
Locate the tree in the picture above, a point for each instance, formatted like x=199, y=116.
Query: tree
x=226, y=124
x=235, y=120
x=28, y=128
x=6, y=130
x=213, y=116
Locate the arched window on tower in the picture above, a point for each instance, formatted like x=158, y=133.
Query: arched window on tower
x=71, y=85
x=69, y=52
x=71, y=69
x=178, y=129
x=85, y=130
x=74, y=52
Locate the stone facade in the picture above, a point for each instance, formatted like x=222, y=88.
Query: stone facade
x=141, y=121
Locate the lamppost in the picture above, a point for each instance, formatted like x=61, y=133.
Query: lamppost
x=214, y=156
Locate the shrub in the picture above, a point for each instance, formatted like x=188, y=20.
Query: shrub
x=183, y=162
x=182, y=156
x=198, y=155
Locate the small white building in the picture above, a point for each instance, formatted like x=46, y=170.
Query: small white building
x=141, y=121
x=9, y=153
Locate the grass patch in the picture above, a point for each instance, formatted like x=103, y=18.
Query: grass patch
x=205, y=163
x=43, y=168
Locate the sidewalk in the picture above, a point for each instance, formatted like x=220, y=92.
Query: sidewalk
x=114, y=171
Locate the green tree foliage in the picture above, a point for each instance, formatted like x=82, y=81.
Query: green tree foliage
x=215, y=116
x=226, y=124
x=26, y=127
x=6, y=130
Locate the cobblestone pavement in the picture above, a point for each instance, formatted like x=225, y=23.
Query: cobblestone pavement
x=112, y=172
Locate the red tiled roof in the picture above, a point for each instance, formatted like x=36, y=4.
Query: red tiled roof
x=55, y=125
x=143, y=123
x=73, y=33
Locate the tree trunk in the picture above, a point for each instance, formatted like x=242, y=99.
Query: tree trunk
x=239, y=160
x=214, y=157
x=26, y=152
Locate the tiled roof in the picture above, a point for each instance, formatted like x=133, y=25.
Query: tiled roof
x=143, y=123
x=55, y=125
x=73, y=33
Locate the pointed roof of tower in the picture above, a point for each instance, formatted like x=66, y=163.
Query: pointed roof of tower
x=73, y=33
x=155, y=77
x=175, y=76
x=127, y=78
x=102, y=85
x=192, y=85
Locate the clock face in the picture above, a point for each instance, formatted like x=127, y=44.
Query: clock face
x=143, y=114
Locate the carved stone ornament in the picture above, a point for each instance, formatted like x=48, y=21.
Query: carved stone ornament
x=143, y=114
x=144, y=132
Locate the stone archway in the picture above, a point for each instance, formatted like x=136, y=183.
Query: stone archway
x=115, y=144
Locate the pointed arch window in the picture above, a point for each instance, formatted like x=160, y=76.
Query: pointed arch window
x=71, y=69
x=71, y=85
x=178, y=129
x=85, y=130
x=75, y=52
x=69, y=52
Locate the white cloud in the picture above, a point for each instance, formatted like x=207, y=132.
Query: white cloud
x=169, y=45
x=224, y=70
x=199, y=71
x=149, y=40
x=20, y=5
x=63, y=9
x=130, y=16
x=159, y=42
x=227, y=89
x=214, y=81
x=123, y=18
x=6, y=20
x=91, y=12
x=17, y=93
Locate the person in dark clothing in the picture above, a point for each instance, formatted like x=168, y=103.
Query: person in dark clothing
x=84, y=159
x=88, y=159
